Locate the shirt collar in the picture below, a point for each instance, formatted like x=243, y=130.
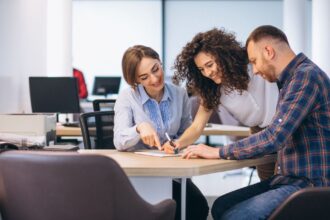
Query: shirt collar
x=145, y=97
x=287, y=72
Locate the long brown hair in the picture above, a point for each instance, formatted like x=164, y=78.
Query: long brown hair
x=230, y=57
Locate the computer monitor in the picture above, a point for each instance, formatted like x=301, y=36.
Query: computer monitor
x=54, y=94
x=106, y=85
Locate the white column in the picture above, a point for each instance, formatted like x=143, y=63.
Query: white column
x=294, y=24
x=59, y=38
x=23, y=51
x=321, y=34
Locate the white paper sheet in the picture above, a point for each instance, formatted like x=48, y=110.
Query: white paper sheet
x=157, y=153
x=23, y=140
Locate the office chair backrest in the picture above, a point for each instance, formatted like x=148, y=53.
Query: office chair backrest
x=103, y=104
x=309, y=203
x=71, y=186
x=97, y=129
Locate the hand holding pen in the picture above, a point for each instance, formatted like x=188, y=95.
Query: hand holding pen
x=172, y=144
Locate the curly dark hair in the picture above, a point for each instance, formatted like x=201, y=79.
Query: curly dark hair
x=231, y=59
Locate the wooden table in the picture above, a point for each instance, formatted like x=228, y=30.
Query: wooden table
x=62, y=131
x=152, y=176
x=158, y=173
x=214, y=129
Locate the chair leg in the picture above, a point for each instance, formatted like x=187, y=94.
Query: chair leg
x=251, y=175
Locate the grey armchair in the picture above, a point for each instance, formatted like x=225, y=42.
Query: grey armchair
x=71, y=186
x=309, y=203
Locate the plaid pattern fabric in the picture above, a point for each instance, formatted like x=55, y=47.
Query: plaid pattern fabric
x=300, y=129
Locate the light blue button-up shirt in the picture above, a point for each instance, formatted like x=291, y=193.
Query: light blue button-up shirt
x=172, y=115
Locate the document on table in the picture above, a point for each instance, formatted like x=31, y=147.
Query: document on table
x=66, y=147
x=157, y=153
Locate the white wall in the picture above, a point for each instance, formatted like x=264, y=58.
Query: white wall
x=23, y=50
x=34, y=42
x=103, y=30
x=321, y=34
x=184, y=19
x=59, y=38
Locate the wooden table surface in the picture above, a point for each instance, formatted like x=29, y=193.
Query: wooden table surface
x=142, y=165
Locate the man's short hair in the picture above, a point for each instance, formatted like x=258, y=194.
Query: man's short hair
x=264, y=31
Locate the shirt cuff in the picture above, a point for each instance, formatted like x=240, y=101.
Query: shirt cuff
x=223, y=153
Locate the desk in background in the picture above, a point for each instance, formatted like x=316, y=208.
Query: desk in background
x=152, y=176
x=62, y=131
x=87, y=106
x=214, y=129
x=230, y=130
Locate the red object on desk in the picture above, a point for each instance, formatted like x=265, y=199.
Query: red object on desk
x=82, y=88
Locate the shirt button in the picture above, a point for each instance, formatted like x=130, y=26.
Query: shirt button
x=280, y=120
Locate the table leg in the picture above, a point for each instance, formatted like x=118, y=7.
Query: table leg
x=183, y=198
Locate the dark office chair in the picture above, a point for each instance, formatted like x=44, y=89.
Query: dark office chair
x=97, y=129
x=103, y=104
x=309, y=203
x=71, y=186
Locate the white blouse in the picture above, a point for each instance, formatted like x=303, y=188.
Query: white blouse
x=254, y=107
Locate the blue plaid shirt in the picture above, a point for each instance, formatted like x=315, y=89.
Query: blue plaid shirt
x=300, y=129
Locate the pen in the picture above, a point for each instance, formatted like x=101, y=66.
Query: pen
x=176, y=150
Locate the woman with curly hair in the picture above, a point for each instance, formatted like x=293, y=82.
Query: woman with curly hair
x=215, y=67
